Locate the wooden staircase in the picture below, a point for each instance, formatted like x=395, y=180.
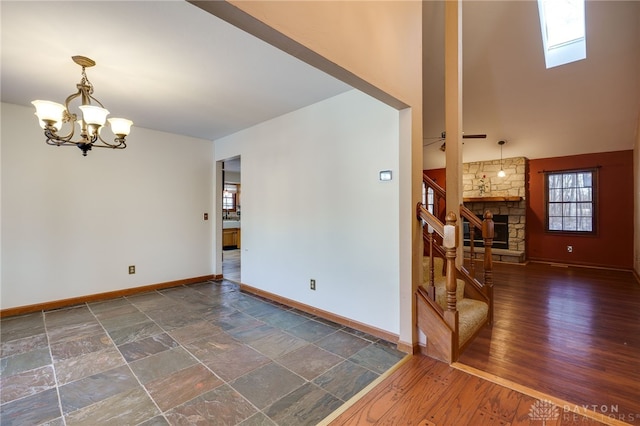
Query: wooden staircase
x=452, y=305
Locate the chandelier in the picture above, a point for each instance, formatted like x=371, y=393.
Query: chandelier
x=52, y=116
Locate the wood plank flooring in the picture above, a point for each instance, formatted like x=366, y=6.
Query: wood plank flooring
x=569, y=333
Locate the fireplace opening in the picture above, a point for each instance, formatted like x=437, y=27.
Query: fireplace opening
x=500, y=232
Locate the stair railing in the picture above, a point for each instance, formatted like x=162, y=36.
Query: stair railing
x=448, y=232
x=483, y=289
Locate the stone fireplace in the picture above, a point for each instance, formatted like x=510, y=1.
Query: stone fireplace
x=504, y=197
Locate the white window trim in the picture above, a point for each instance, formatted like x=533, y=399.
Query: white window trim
x=565, y=53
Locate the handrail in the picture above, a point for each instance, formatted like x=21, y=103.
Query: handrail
x=439, y=195
x=430, y=219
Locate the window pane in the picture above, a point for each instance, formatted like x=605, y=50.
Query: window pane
x=569, y=224
x=569, y=194
x=569, y=209
x=555, y=181
x=555, y=223
x=585, y=224
x=584, y=194
x=555, y=195
x=584, y=209
x=569, y=180
x=555, y=209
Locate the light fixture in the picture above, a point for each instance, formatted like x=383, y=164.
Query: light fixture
x=501, y=173
x=52, y=116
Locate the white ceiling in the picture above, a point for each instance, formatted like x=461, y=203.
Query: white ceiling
x=170, y=66
x=166, y=65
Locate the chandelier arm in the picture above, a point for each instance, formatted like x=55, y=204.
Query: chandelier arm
x=119, y=143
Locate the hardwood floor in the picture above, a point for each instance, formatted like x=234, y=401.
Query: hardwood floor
x=570, y=334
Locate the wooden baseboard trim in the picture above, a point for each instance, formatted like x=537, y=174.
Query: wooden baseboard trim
x=408, y=348
x=64, y=303
x=578, y=265
x=382, y=334
x=575, y=408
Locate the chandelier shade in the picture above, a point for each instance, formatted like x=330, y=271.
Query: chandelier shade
x=53, y=116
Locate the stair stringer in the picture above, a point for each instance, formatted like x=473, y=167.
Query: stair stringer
x=442, y=339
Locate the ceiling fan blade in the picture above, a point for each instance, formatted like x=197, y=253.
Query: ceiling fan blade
x=443, y=135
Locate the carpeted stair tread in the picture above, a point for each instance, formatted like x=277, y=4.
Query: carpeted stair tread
x=472, y=314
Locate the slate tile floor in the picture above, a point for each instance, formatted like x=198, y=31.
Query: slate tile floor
x=199, y=354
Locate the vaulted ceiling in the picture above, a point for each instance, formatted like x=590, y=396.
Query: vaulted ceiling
x=170, y=66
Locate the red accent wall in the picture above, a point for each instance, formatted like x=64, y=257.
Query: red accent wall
x=613, y=244
x=438, y=175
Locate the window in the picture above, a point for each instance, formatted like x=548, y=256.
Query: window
x=229, y=197
x=562, y=23
x=428, y=198
x=571, y=201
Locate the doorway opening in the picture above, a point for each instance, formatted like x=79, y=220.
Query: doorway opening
x=231, y=218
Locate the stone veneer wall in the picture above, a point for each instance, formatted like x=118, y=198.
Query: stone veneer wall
x=480, y=179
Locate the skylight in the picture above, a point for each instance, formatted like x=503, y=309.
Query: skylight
x=562, y=23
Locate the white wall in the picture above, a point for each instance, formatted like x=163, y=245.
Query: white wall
x=313, y=207
x=71, y=225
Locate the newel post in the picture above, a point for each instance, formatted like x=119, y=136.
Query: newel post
x=487, y=235
x=449, y=243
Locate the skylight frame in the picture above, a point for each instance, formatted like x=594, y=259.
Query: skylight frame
x=571, y=45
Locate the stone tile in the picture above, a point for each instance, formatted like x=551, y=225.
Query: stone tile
x=71, y=369
x=125, y=308
x=87, y=391
x=343, y=344
x=126, y=408
x=148, y=346
x=23, y=362
x=206, y=350
x=218, y=313
x=234, y=363
x=151, y=301
x=221, y=406
x=307, y=405
x=377, y=358
x=345, y=380
x=309, y=361
x=215, y=289
x=74, y=315
x=64, y=333
x=161, y=364
x=108, y=305
x=22, y=326
x=196, y=331
x=155, y=421
x=135, y=332
x=123, y=320
x=267, y=384
x=174, y=317
x=234, y=320
x=182, y=386
x=26, y=383
x=22, y=345
x=277, y=344
x=360, y=334
x=258, y=419
x=256, y=308
x=81, y=346
x=248, y=333
x=311, y=331
x=284, y=319
x=32, y=410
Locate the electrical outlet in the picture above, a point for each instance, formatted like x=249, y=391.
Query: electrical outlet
x=132, y=269
x=206, y=216
x=312, y=284
x=569, y=249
